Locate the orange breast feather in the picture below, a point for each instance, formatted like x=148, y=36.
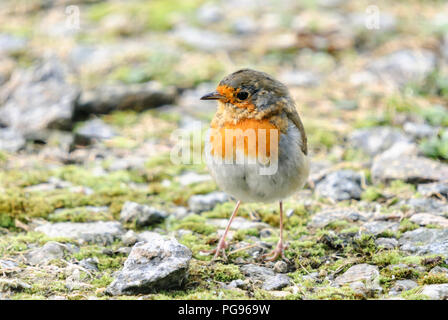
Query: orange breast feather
x=249, y=137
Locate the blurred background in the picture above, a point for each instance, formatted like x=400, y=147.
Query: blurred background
x=90, y=92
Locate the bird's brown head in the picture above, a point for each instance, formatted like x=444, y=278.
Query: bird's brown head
x=249, y=89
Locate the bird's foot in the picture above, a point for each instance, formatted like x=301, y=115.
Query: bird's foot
x=219, y=250
x=276, y=253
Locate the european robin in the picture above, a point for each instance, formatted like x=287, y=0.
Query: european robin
x=256, y=150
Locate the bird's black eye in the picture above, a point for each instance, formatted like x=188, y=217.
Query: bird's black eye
x=242, y=95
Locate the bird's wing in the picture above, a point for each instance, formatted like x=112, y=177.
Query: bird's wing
x=292, y=114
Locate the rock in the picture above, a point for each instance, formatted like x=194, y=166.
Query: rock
x=340, y=185
x=209, y=13
x=39, y=98
x=408, y=169
x=424, y=219
x=148, y=236
x=299, y=78
x=244, y=26
x=93, y=130
x=189, y=178
x=50, y=251
x=142, y=215
x=269, y=279
x=206, y=40
x=206, y=202
x=325, y=217
x=90, y=264
x=8, y=264
x=425, y=241
x=387, y=243
x=365, y=273
x=404, y=66
x=129, y=238
x=401, y=286
x=280, y=267
x=376, y=140
x=425, y=205
x=439, y=270
x=419, y=130
x=11, y=140
x=238, y=223
x=436, y=291
x=10, y=44
x=157, y=265
x=96, y=232
x=13, y=285
x=434, y=189
x=387, y=22
x=378, y=227
x=137, y=97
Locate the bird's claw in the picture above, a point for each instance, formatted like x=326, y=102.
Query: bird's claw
x=276, y=253
x=219, y=250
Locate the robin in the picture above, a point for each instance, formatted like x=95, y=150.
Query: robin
x=256, y=149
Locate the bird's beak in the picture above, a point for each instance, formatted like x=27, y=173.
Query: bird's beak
x=215, y=95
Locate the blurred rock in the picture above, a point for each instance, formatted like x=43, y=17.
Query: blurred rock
x=425, y=241
x=209, y=13
x=10, y=43
x=408, y=169
x=137, y=97
x=403, y=66
x=401, y=286
x=268, y=278
x=378, y=227
x=387, y=243
x=191, y=177
x=93, y=130
x=206, y=40
x=377, y=139
x=151, y=266
x=142, y=215
x=95, y=232
x=50, y=251
x=436, y=291
x=424, y=219
x=425, y=205
x=38, y=98
x=433, y=189
x=206, y=202
x=419, y=130
x=325, y=217
x=238, y=223
x=340, y=185
x=365, y=273
x=11, y=140
x=299, y=78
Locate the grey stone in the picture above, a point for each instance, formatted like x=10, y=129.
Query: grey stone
x=434, y=189
x=11, y=140
x=129, y=238
x=189, y=178
x=325, y=217
x=436, y=291
x=366, y=273
x=439, y=270
x=90, y=264
x=425, y=241
x=206, y=202
x=425, y=205
x=14, y=285
x=340, y=185
x=137, y=97
x=8, y=264
x=387, y=243
x=93, y=130
x=238, y=223
x=424, y=219
x=401, y=286
x=404, y=66
x=161, y=264
x=376, y=140
x=142, y=215
x=299, y=78
x=419, y=130
x=209, y=13
x=408, y=169
x=50, y=251
x=206, y=40
x=281, y=267
x=269, y=279
x=378, y=227
x=10, y=43
x=96, y=232
x=39, y=98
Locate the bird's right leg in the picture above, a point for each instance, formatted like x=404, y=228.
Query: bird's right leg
x=222, y=245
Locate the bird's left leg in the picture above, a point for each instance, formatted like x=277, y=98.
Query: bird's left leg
x=279, y=249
